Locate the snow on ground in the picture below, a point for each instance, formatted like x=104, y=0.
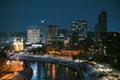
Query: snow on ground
x=89, y=70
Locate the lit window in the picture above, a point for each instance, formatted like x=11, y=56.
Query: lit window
x=114, y=34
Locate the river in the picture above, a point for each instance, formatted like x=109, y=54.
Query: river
x=48, y=71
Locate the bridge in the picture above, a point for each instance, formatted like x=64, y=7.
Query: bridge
x=86, y=69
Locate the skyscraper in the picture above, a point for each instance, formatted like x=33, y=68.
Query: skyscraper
x=101, y=26
x=102, y=21
x=50, y=33
x=33, y=34
x=80, y=27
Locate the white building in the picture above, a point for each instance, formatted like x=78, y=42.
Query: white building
x=33, y=35
x=18, y=44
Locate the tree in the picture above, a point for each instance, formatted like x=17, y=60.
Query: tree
x=8, y=48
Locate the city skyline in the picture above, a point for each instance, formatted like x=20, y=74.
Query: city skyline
x=17, y=15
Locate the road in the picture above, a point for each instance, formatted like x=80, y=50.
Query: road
x=12, y=68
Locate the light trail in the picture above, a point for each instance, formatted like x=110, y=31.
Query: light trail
x=14, y=66
x=7, y=76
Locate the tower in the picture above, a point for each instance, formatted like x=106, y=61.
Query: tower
x=101, y=26
x=102, y=22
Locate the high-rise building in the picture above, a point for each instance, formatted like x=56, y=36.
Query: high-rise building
x=80, y=27
x=33, y=35
x=50, y=33
x=102, y=21
x=101, y=26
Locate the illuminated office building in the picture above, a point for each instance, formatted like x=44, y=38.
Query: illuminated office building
x=80, y=27
x=33, y=35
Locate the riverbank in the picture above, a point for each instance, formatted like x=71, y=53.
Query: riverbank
x=88, y=70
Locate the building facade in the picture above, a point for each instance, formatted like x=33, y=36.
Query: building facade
x=3, y=59
x=18, y=44
x=80, y=27
x=111, y=41
x=102, y=21
x=101, y=26
x=50, y=33
x=62, y=34
x=33, y=35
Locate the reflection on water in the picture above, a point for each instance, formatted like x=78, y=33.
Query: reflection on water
x=48, y=71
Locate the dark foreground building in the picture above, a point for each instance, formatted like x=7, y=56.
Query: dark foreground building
x=3, y=58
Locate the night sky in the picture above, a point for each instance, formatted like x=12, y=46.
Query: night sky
x=17, y=15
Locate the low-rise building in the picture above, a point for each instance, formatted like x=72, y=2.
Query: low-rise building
x=18, y=44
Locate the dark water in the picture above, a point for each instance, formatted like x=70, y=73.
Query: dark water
x=48, y=71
